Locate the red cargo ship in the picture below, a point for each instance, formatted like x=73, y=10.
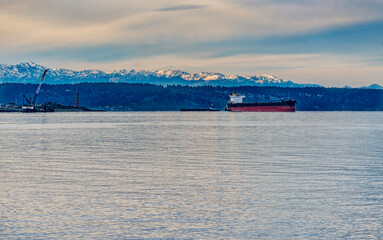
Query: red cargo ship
x=236, y=104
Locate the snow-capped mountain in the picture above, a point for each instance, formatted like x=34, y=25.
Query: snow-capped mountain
x=29, y=72
x=219, y=79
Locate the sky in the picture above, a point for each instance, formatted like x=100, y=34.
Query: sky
x=332, y=43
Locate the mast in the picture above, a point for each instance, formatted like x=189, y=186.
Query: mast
x=77, y=99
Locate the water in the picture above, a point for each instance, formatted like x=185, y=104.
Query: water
x=191, y=175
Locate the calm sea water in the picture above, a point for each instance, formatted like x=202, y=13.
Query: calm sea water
x=190, y=175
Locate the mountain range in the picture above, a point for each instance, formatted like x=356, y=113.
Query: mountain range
x=29, y=72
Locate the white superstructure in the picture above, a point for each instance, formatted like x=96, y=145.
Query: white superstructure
x=236, y=98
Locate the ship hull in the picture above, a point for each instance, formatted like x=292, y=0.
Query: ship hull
x=28, y=108
x=32, y=109
x=284, y=106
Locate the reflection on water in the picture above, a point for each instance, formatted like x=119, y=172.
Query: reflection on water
x=214, y=175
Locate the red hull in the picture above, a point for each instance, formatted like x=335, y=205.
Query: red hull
x=262, y=109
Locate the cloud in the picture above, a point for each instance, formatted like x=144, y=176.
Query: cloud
x=194, y=35
x=361, y=38
x=56, y=22
x=69, y=12
x=180, y=7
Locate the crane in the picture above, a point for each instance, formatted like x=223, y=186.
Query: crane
x=31, y=104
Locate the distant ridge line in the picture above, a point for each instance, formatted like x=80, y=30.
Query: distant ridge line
x=28, y=72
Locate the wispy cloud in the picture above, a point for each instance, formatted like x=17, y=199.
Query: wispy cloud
x=180, y=7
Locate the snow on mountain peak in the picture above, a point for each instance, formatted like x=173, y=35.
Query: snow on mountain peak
x=207, y=76
x=31, y=72
x=171, y=73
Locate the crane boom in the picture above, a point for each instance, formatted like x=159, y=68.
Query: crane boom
x=38, y=89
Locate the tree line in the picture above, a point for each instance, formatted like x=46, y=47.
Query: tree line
x=150, y=97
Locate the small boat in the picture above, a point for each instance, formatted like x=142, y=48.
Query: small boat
x=210, y=109
x=199, y=110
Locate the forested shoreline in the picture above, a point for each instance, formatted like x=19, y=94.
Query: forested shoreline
x=150, y=97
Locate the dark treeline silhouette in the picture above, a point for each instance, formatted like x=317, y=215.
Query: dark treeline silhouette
x=149, y=97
